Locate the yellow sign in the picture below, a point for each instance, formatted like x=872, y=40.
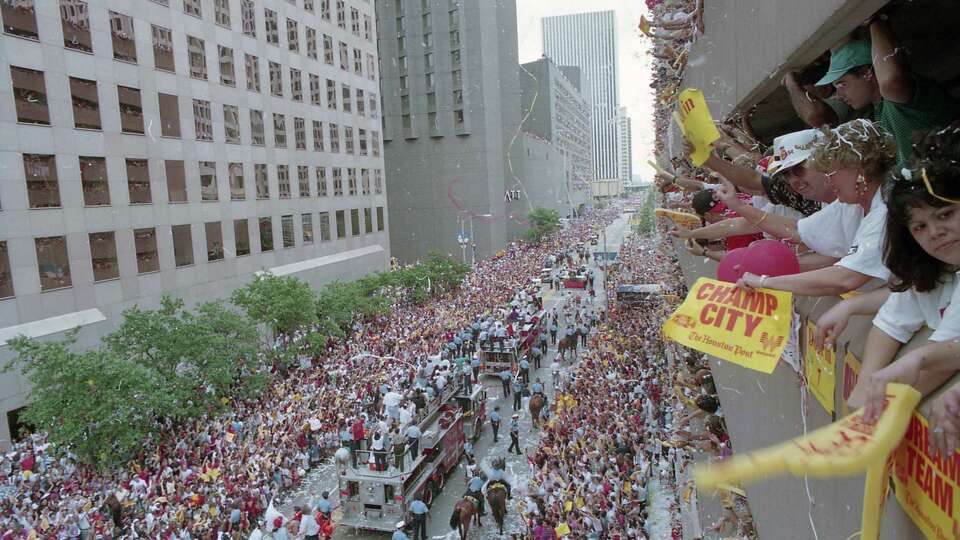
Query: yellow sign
x=682, y=219
x=748, y=328
x=851, y=371
x=927, y=486
x=697, y=124
x=645, y=26
x=846, y=447
x=818, y=366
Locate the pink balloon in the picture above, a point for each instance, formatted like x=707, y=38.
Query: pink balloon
x=771, y=258
x=729, y=269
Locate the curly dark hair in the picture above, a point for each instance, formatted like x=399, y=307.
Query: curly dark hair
x=937, y=156
x=703, y=202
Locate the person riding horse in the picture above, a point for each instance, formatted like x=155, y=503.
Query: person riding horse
x=475, y=490
x=496, y=477
x=537, y=389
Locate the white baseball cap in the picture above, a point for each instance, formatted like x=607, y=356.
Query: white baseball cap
x=793, y=149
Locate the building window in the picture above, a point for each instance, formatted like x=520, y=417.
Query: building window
x=348, y=139
x=368, y=220
x=293, y=38
x=192, y=7
x=341, y=224
x=429, y=61
x=131, y=110
x=378, y=181
x=169, y=115
x=145, y=244
x=324, y=226
x=406, y=121
x=331, y=94
x=325, y=9
x=375, y=143
x=43, y=189
x=365, y=181
x=121, y=29
x=458, y=97
x=352, y=180
x=279, y=130
x=227, y=75
x=86, y=104
x=253, y=72
x=337, y=182
x=347, y=98
x=373, y=105
x=257, y=137
x=344, y=57
x=355, y=222
x=276, y=80
x=162, y=48
x=214, y=234
x=283, y=181
x=299, y=133
x=176, y=181
x=315, y=89
x=19, y=18
x=241, y=237
x=196, y=51
x=458, y=118
x=457, y=77
x=306, y=223
x=454, y=18
x=311, y=43
x=266, y=234
x=273, y=30
x=328, y=49
x=231, y=123
x=321, y=181
x=296, y=85
x=334, y=137
x=358, y=62
x=371, y=67
x=93, y=178
x=355, y=21
x=53, y=261
x=286, y=229
x=404, y=83
x=454, y=38
x=303, y=177
x=237, y=190
x=248, y=13
x=380, y=224
x=362, y=137
x=202, y=120
x=138, y=181
x=182, y=245
x=262, y=181
x=431, y=81
x=208, y=181
x=221, y=12
x=29, y=94
x=103, y=256
x=318, y=135
x=75, y=20
x=368, y=28
x=341, y=14
x=308, y=6
x=455, y=58
x=361, y=105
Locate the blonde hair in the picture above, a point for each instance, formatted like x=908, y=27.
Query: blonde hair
x=859, y=144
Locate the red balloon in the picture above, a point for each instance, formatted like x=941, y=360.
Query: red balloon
x=770, y=258
x=730, y=269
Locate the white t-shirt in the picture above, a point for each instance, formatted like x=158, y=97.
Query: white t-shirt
x=866, y=251
x=906, y=312
x=831, y=230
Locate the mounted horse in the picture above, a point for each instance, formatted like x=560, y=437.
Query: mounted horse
x=497, y=499
x=568, y=343
x=537, y=403
x=466, y=509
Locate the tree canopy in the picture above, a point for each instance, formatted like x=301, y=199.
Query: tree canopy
x=543, y=222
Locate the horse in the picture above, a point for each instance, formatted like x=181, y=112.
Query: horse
x=465, y=510
x=537, y=403
x=568, y=343
x=497, y=501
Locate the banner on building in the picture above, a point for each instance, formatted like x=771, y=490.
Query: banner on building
x=697, y=124
x=749, y=328
x=819, y=369
x=851, y=371
x=926, y=486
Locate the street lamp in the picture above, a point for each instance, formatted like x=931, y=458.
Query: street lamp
x=473, y=239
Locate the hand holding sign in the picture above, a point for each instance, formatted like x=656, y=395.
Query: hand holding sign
x=697, y=124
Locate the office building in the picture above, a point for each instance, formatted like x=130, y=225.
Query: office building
x=175, y=147
x=451, y=108
x=589, y=41
x=624, y=148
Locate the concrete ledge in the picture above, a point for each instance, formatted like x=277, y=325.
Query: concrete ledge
x=53, y=325
x=310, y=264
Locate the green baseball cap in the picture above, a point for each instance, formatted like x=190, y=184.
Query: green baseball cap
x=846, y=57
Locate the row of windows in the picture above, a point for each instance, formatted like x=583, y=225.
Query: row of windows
x=53, y=258
x=30, y=99
x=43, y=185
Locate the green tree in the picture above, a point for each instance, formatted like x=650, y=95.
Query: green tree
x=282, y=303
x=543, y=222
x=100, y=404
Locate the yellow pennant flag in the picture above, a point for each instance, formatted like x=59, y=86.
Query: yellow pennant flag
x=846, y=447
x=684, y=220
x=645, y=26
x=748, y=328
x=697, y=124
x=819, y=369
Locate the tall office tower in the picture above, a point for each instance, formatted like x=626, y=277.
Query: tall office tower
x=451, y=105
x=589, y=41
x=175, y=148
x=625, y=148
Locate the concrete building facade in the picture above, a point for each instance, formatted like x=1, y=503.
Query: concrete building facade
x=451, y=112
x=175, y=148
x=624, y=148
x=589, y=41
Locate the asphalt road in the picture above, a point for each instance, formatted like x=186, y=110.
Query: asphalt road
x=324, y=477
